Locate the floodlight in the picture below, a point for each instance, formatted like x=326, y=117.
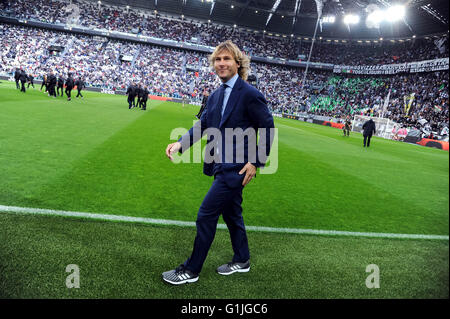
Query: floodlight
x=376, y=17
x=395, y=13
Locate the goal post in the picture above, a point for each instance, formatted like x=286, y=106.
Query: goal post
x=383, y=126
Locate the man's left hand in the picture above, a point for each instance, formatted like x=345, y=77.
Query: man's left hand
x=250, y=172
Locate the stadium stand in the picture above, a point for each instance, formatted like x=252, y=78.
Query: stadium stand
x=113, y=19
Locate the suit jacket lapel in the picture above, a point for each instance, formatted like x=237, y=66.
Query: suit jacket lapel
x=214, y=111
x=232, y=101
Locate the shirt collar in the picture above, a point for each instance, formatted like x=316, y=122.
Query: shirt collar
x=232, y=81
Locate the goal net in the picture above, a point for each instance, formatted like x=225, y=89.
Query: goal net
x=383, y=126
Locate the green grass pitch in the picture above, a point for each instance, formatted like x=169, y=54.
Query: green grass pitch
x=94, y=155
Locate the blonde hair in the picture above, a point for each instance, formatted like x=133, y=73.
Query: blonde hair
x=242, y=59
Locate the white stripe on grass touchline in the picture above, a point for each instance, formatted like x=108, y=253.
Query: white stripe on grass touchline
x=38, y=211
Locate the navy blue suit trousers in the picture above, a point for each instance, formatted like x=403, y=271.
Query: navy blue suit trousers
x=225, y=200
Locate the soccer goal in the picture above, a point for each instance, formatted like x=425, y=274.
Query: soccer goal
x=383, y=126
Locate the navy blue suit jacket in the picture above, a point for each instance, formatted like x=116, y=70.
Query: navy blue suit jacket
x=246, y=108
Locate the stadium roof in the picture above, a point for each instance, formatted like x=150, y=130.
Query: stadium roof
x=298, y=17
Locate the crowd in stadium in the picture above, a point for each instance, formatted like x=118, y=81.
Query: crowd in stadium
x=133, y=22
x=176, y=73
x=367, y=96
x=380, y=53
x=259, y=44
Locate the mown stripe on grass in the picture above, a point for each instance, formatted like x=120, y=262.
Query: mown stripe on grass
x=39, y=211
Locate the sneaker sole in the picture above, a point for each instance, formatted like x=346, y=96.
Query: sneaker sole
x=181, y=282
x=233, y=271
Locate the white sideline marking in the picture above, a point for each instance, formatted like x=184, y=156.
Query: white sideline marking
x=38, y=211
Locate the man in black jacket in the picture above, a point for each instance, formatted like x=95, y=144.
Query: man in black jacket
x=131, y=92
x=69, y=86
x=80, y=85
x=17, y=77
x=369, y=129
x=144, y=98
x=23, y=79
x=204, y=100
x=60, y=88
x=30, y=81
x=44, y=83
x=139, y=92
x=51, y=84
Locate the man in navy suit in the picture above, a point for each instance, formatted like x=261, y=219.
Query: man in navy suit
x=369, y=129
x=234, y=107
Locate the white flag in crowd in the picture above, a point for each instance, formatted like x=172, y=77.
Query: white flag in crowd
x=440, y=44
x=386, y=102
